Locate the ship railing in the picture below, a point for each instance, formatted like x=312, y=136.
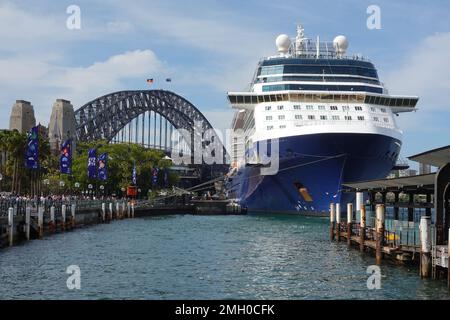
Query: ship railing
x=312, y=54
x=300, y=123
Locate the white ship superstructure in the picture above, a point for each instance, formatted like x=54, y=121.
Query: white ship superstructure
x=312, y=95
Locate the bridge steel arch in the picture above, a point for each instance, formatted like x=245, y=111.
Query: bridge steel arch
x=104, y=117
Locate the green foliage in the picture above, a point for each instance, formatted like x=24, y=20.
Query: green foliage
x=121, y=158
x=16, y=176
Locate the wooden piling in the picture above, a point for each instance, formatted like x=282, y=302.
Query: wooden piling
x=40, y=222
x=332, y=220
x=63, y=215
x=119, y=216
x=123, y=209
x=129, y=210
x=132, y=210
x=425, y=248
x=338, y=222
x=27, y=222
x=362, y=228
x=349, y=223
x=379, y=231
x=11, y=226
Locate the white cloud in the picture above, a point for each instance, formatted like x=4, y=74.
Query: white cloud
x=211, y=29
x=43, y=82
x=101, y=76
x=20, y=25
x=425, y=72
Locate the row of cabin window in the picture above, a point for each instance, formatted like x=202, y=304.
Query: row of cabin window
x=322, y=108
x=324, y=117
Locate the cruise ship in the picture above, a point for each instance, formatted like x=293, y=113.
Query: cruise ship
x=332, y=121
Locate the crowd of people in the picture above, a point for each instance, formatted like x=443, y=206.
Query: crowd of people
x=12, y=200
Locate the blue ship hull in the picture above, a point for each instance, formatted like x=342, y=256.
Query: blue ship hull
x=311, y=171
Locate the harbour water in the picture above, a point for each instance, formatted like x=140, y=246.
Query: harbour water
x=204, y=257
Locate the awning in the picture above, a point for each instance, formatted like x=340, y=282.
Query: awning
x=425, y=181
x=437, y=157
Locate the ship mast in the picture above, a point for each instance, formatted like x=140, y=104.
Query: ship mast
x=299, y=39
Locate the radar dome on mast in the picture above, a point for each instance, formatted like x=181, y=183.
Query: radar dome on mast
x=283, y=43
x=340, y=44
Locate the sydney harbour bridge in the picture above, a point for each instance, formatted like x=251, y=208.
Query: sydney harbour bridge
x=153, y=118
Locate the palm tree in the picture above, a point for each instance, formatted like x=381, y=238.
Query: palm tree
x=3, y=137
x=15, y=144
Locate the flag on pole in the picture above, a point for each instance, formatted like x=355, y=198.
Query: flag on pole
x=65, y=159
x=102, y=166
x=150, y=81
x=92, y=164
x=32, y=152
x=133, y=175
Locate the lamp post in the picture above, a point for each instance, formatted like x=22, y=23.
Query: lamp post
x=47, y=184
x=102, y=188
x=77, y=188
x=90, y=186
x=62, y=184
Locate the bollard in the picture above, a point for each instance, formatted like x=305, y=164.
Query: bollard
x=362, y=228
x=349, y=223
x=338, y=222
x=52, y=214
x=425, y=248
x=110, y=211
x=27, y=222
x=73, y=208
x=40, y=222
x=359, y=202
x=119, y=216
x=103, y=212
x=332, y=220
x=128, y=210
x=132, y=210
x=11, y=226
x=51, y=223
x=379, y=231
x=63, y=214
x=448, y=261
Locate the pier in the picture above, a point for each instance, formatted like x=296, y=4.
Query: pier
x=404, y=219
x=27, y=220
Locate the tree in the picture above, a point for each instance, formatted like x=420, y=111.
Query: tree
x=121, y=158
x=14, y=144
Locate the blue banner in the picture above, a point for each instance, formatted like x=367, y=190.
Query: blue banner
x=32, y=152
x=102, y=166
x=155, y=176
x=133, y=175
x=92, y=164
x=65, y=159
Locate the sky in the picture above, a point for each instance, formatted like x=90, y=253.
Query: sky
x=210, y=47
